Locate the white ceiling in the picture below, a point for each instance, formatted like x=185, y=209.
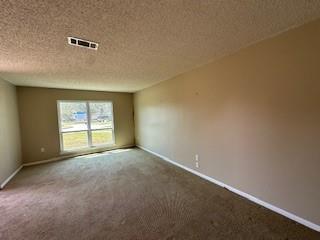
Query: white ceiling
x=140, y=42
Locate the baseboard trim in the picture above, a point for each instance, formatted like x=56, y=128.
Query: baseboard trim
x=56, y=159
x=243, y=194
x=64, y=157
x=10, y=177
x=46, y=161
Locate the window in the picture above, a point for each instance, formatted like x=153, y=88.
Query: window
x=84, y=124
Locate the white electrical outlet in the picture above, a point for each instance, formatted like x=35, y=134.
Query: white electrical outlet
x=42, y=149
x=196, y=158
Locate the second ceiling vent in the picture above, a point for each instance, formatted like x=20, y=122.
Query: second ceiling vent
x=82, y=43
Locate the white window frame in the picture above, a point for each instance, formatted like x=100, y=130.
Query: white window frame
x=88, y=130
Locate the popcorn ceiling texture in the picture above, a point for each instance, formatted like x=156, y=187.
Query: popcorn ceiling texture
x=141, y=42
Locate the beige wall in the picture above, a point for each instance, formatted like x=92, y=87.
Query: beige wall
x=253, y=118
x=10, y=151
x=39, y=123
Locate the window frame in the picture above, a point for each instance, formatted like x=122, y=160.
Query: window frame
x=89, y=130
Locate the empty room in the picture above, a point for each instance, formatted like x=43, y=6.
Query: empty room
x=160, y=120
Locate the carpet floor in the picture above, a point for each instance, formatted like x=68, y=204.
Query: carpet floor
x=130, y=195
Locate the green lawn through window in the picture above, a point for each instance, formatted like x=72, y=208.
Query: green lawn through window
x=74, y=140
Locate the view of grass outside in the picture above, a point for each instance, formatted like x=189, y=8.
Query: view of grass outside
x=75, y=140
x=77, y=118
x=101, y=137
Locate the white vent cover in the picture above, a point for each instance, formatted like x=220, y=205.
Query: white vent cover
x=82, y=43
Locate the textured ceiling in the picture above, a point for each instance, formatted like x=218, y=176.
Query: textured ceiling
x=140, y=42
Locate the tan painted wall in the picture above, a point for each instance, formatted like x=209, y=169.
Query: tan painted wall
x=10, y=150
x=253, y=118
x=39, y=123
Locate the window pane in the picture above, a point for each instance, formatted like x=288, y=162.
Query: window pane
x=74, y=140
x=101, y=115
x=73, y=116
x=100, y=137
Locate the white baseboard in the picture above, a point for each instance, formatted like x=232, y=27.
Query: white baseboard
x=243, y=194
x=63, y=157
x=57, y=159
x=10, y=177
x=45, y=161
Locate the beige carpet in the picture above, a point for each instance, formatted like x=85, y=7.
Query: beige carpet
x=131, y=195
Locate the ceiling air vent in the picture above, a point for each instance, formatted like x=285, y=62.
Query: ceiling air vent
x=82, y=43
